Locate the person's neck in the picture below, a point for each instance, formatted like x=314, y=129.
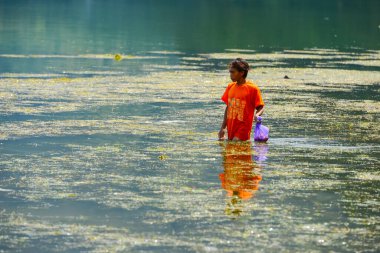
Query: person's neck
x=241, y=81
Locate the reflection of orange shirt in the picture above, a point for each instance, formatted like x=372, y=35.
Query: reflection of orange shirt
x=240, y=177
x=242, y=100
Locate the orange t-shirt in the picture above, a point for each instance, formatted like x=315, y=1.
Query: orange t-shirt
x=242, y=100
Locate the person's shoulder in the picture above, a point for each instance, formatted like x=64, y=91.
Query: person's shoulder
x=252, y=85
x=229, y=85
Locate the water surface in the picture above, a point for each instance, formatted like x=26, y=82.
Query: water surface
x=103, y=155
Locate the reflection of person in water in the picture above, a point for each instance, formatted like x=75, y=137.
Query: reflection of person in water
x=241, y=174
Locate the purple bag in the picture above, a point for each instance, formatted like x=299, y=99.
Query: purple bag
x=261, y=132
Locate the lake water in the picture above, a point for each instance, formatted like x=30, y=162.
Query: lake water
x=103, y=155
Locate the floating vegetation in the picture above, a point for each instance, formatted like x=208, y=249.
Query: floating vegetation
x=118, y=57
x=80, y=56
x=163, y=157
x=105, y=161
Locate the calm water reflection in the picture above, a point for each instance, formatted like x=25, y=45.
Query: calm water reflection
x=241, y=175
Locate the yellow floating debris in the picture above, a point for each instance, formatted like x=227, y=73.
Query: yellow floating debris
x=118, y=57
x=163, y=157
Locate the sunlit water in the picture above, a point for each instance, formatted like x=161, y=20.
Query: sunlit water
x=105, y=155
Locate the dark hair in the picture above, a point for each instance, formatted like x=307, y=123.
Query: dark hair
x=241, y=65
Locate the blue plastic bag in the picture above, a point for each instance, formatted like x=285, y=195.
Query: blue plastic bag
x=261, y=132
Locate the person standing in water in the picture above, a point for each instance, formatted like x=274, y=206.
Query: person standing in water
x=242, y=98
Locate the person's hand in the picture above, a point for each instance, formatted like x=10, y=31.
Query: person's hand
x=221, y=134
x=255, y=118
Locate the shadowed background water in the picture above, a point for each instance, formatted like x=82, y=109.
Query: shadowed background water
x=105, y=155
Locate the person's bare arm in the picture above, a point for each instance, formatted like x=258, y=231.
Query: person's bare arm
x=224, y=125
x=259, y=111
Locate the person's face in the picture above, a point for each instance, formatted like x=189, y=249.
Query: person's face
x=235, y=74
